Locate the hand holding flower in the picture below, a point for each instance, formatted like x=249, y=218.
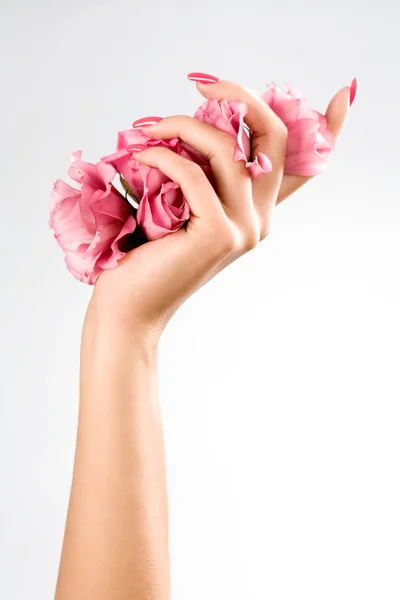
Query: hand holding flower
x=275, y=142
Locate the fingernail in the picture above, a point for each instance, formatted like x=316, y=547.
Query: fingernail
x=202, y=78
x=145, y=122
x=137, y=148
x=353, y=90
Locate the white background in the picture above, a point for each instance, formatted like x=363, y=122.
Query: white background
x=279, y=379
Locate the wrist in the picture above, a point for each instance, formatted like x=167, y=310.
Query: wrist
x=107, y=327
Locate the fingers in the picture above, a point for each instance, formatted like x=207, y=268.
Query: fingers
x=231, y=177
x=198, y=191
x=336, y=115
x=226, y=236
x=269, y=136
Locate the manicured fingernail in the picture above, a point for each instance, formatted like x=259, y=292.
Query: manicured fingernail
x=137, y=148
x=145, y=122
x=353, y=90
x=202, y=78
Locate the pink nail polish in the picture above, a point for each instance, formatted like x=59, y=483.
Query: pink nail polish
x=145, y=122
x=202, y=78
x=353, y=90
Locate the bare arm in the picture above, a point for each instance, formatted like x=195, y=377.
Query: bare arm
x=116, y=539
x=115, y=543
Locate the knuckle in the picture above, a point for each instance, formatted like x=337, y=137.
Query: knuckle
x=221, y=146
x=194, y=172
x=228, y=243
x=227, y=240
x=250, y=238
x=251, y=242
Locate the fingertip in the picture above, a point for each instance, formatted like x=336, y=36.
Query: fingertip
x=141, y=154
x=205, y=89
x=211, y=90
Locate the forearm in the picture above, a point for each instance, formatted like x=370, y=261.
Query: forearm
x=115, y=543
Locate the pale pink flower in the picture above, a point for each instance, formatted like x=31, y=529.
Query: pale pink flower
x=162, y=206
x=310, y=142
x=90, y=223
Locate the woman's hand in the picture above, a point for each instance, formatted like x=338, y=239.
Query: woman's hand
x=116, y=536
x=154, y=279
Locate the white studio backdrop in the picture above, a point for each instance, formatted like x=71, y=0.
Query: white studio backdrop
x=279, y=379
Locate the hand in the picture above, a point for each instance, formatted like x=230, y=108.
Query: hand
x=153, y=280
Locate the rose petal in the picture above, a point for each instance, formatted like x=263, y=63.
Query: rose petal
x=260, y=165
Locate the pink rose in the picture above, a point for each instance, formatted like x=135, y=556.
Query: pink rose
x=310, y=143
x=162, y=206
x=91, y=223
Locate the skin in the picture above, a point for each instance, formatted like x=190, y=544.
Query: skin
x=116, y=535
